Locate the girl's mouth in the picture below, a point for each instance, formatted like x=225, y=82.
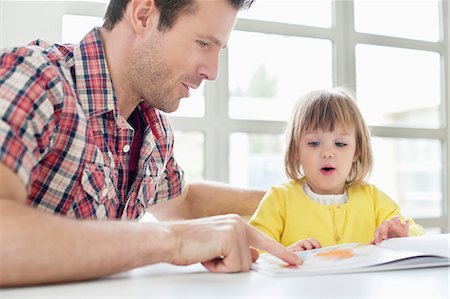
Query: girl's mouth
x=327, y=170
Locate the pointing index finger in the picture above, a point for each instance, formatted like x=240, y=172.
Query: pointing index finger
x=258, y=240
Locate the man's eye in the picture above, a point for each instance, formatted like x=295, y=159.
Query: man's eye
x=202, y=44
x=313, y=143
x=340, y=144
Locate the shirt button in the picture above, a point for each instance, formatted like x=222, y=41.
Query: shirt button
x=126, y=148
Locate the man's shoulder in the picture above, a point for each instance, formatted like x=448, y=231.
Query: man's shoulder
x=38, y=54
x=37, y=73
x=53, y=52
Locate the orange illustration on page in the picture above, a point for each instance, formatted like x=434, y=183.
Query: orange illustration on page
x=336, y=254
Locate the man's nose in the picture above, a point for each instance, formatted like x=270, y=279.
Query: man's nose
x=210, y=67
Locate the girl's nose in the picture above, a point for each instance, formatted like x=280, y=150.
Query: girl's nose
x=326, y=154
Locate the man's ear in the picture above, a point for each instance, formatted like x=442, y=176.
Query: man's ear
x=142, y=14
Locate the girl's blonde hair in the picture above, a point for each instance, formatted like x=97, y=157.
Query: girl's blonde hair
x=326, y=109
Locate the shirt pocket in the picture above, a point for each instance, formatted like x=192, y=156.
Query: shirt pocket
x=97, y=183
x=148, y=187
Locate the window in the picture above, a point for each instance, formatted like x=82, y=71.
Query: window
x=407, y=92
x=256, y=160
x=410, y=172
x=75, y=27
x=310, y=12
x=270, y=71
x=407, y=19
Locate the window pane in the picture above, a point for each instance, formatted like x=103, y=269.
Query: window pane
x=267, y=73
x=190, y=152
x=407, y=19
x=398, y=87
x=312, y=12
x=256, y=160
x=194, y=106
x=75, y=27
x=410, y=172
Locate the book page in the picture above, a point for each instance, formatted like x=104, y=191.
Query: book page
x=396, y=253
x=332, y=259
x=432, y=244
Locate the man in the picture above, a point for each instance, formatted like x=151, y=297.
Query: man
x=81, y=136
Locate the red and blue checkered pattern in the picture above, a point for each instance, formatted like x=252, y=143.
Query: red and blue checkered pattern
x=61, y=132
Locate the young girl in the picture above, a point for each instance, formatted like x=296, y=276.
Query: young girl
x=327, y=201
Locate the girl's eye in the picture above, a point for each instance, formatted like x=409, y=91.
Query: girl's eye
x=314, y=143
x=340, y=144
x=202, y=44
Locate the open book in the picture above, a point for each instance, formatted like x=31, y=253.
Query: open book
x=391, y=254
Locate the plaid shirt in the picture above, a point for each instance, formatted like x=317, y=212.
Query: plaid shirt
x=60, y=131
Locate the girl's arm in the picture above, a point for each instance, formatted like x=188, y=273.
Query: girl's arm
x=390, y=219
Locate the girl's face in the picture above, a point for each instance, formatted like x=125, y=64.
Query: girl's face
x=327, y=159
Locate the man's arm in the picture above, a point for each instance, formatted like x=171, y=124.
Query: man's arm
x=37, y=248
x=203, y=199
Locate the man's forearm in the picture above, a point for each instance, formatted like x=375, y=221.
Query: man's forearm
x=210, y=198
x=38, y=248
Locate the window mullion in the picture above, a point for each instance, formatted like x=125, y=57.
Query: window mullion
x=445, y=108
x=217, y=135
x=344, y=45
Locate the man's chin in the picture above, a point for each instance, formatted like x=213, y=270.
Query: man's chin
x=170, y=109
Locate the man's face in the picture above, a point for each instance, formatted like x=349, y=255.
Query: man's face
x=168, y=64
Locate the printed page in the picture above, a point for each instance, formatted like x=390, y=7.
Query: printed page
x=432, y=244
x=349, y=257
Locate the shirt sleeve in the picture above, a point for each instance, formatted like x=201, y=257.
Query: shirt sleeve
x=386, y=208
x=269, y=217
x=26, y=124
x=172, y=181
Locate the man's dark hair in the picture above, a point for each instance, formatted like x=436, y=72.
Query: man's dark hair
x=169, y=10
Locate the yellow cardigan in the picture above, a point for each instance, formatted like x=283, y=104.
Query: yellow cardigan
x=287, y=215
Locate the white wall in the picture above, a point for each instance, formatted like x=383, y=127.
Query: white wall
x=23, y=21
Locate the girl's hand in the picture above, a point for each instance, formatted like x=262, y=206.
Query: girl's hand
x=305, y=244
x=391, y=229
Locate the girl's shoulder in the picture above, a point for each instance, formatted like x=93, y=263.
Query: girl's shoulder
x=366, y=189
x=364, y=186
x=287, y=187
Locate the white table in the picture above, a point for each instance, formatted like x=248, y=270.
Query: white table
x=167, y=281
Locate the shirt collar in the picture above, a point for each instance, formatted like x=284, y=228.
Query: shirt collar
x=153, y=118
x=94, y=85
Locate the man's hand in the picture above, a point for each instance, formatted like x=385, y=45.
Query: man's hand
x=223, y=244
x=305, y=244
x=391, y=229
